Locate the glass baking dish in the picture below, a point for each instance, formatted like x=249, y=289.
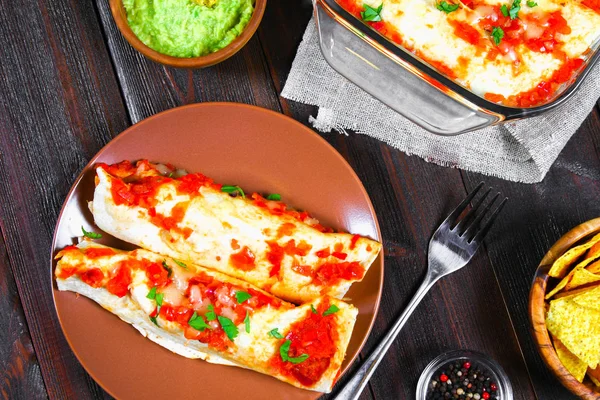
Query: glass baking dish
x=410, y=86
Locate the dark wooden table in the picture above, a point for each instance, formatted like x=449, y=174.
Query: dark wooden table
x=69, y=83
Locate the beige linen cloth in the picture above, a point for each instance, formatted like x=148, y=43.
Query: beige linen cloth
x=521, y=151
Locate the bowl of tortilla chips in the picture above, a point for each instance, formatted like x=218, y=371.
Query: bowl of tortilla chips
x=564, y=309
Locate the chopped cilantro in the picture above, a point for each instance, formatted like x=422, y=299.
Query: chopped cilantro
x=233, y=189
x=197, y=322
x=152, y=293
x=274, y=196
x=91, y=235
x=167, y=268
x=497, y=35
x=504, y=10
x=284, y=351
x=275, y=333
x=446, y=7
x=210, y=315
x=158, y=297
x=331, y=310
x=514, y=9
x=371, y=14
x=247, y=322
x=313, y=309
x=242, y=296
x=229, y=327
x=159, y=300
x=182, y=265
x=531, y=3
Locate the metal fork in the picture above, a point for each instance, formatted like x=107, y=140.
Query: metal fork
x=451, y=248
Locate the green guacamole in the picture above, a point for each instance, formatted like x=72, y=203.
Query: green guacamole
x=188, y=28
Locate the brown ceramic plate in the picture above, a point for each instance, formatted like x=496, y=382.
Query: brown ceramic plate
x=120, y=17
x=259, y=150
x=537, y=313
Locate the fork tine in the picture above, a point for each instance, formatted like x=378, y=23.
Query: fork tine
x=466, y=221
x=461, y=207
x=472, y=229
x=483, y=231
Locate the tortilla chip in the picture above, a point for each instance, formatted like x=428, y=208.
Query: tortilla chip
x=563, y=283
x=575, y=292
x=594, y=251
x=582, y=277
x=574, y=365
x=588, y=298
x=594, y=375
x=562, y=264
x=577, y=327
x=594, y=267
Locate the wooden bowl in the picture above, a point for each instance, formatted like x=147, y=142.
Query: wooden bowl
x=537, y=312
x=120, y=16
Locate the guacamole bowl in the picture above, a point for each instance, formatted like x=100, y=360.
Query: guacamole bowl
x=120, y=16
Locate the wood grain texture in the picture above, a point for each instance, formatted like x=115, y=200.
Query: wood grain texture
x=20, y=375
x=63, y=95
x=535, y=217
x=59, y=104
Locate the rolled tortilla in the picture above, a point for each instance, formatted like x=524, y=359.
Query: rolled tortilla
x=199, y=313
x=284, y=252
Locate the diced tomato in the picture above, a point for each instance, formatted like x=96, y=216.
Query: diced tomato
x=353, y=241
x=275, y=257
x=305, y=270
x=593, y=4
x=340, y=255
x=244, y=259
x=156, y=273
x=96, y=252
x=314, y=335
x=67, y=272
x=92, y=277
x=119, y=283
x=285, y=229
x=465, y=31
x=331, y=273
x=191, y=183
x=179, y=314
x=234, y=244
x=323, y=253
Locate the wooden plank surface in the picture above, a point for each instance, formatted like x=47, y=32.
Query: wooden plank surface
x=20, y=376
x=59, y=104
x=72, y=82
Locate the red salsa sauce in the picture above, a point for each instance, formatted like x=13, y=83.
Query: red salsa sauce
x=315, y=335
x=243, y=259
x=138, y=185
x=593, y=4
x=276, y=253
x=116, y=282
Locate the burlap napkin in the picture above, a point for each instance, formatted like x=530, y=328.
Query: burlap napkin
x=521, y=151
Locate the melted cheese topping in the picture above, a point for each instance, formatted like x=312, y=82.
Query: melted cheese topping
x=254, y=239
x=542, y=48
x=130, y=284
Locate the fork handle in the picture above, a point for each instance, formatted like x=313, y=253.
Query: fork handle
x=355, y=386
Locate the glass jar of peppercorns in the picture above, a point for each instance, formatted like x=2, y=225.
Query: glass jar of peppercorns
x=466, y=375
